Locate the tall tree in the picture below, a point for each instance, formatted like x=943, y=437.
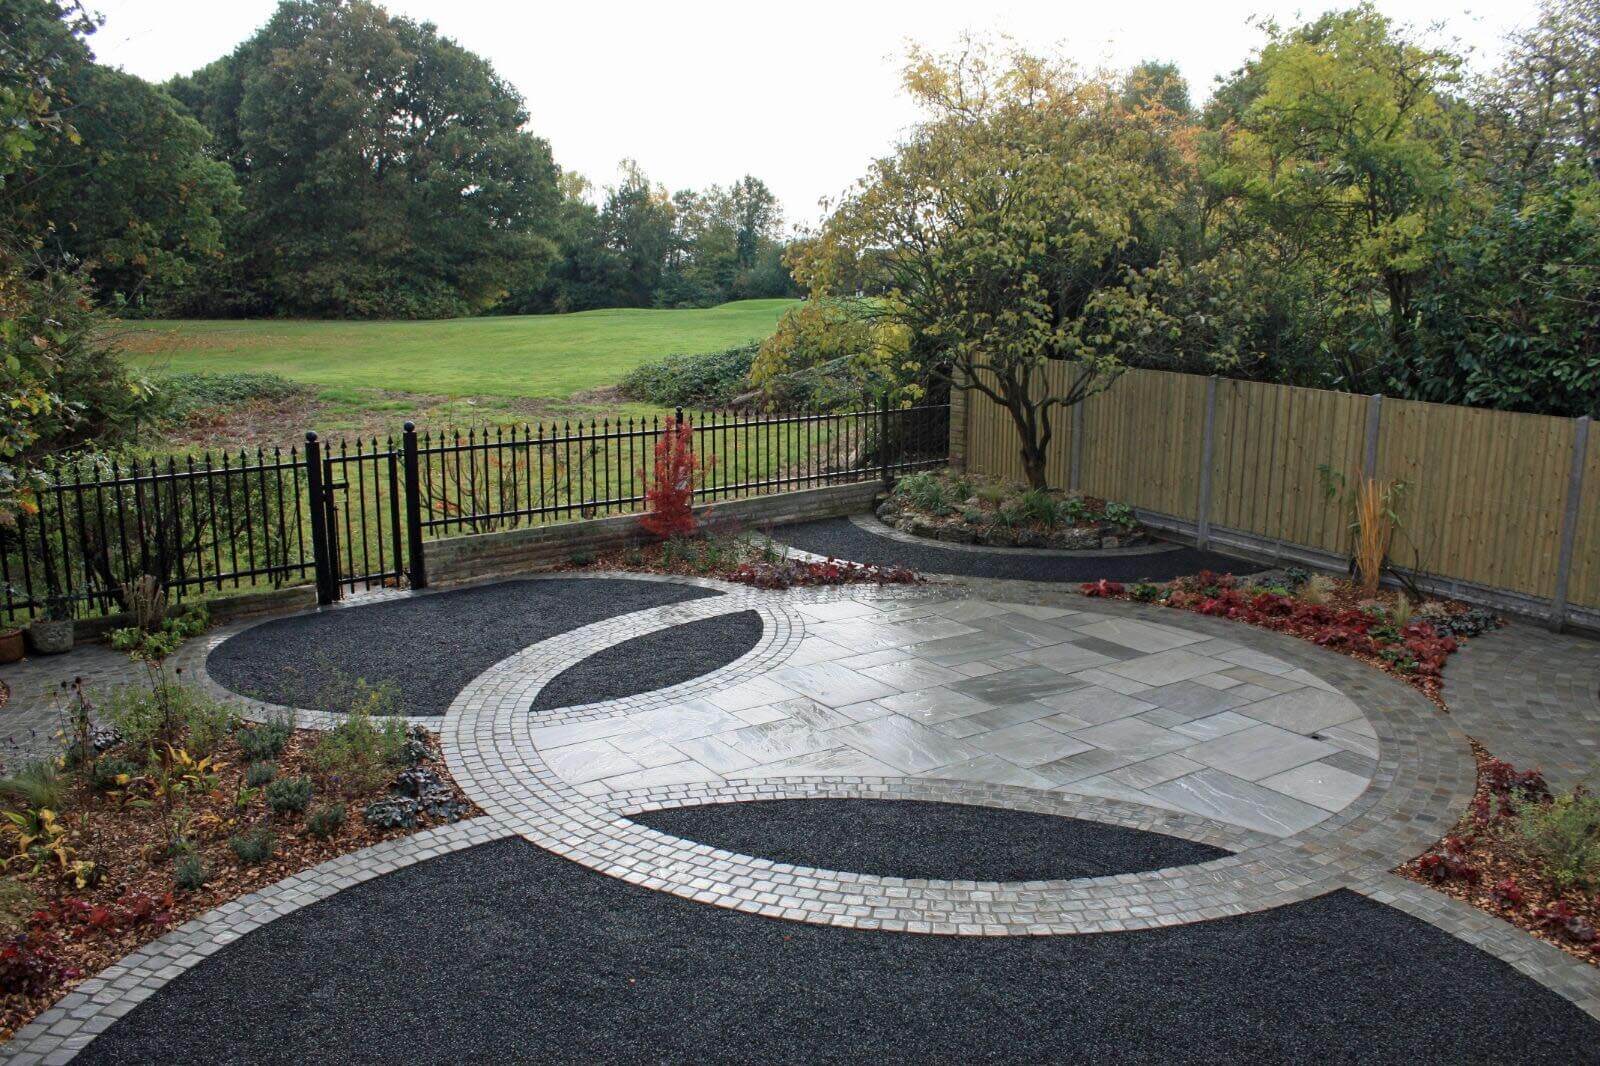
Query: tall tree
x=1026, y=194
x=385, y=169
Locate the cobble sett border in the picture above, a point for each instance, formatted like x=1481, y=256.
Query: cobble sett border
x=1330, y=855
x=1424, y=776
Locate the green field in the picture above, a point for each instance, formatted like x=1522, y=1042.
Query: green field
x=541, y=356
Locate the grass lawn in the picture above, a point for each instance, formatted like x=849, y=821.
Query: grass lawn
x=533, y=356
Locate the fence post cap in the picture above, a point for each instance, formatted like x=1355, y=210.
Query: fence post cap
x=311, y=436
x=410, y=427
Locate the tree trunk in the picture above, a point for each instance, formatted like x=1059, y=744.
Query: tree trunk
x=1033, y=467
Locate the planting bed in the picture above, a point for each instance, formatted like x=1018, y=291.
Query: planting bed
x=841, y=538
x=429, y=647
x=656, y=660
x=984, y=511
x=67, y=932
x=915, y=839
x=530, y=957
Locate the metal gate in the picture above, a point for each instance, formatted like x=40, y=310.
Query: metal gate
x=357, y=537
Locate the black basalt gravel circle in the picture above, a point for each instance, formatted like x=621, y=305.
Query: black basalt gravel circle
x=655, y=660
x=508, y=953
x=917, y=839
x=843, y=539
x=429, y=647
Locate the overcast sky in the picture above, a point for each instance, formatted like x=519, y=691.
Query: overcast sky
x=802, y=96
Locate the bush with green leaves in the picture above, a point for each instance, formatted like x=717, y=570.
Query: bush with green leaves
x=325, y=820
x=1562, y=837
x=288, y=795
x=361, y=752
x=177, y=396
x=254, y=846
x=264, y=742
x=260, y=774
x=189, y=872
x=112, y=772
x=178, y=714
x=714, y=379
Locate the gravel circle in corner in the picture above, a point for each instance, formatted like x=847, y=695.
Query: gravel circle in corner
x=428, y=646
x=842, y=539
x=920, y=839
x=656, y=660
x=507, y=953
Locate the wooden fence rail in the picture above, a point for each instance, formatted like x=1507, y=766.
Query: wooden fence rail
x=1496, y=506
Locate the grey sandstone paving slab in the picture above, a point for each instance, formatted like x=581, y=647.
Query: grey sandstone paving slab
x=990, y=770
x=1305, y=710
x=1319, y=784
x=1214, y=794
x=1009, y=715
x=933, y=705
x=1194, y=699
x=904, y=744
x=779, y=740
x=909, y=675
x=1133, y=738
x=1352, y=740
x=1029, y=744
x=1257, y=752
x=842, y=761
x=1094, y=706
x=831, y=684
x=1146, y=637
x=1070, y=657
x=1167, y=667
x=954, y=651
x=717, y=754
x=1017, y=686
x=686, y=720
x=1084, y=764
x=1218, y=725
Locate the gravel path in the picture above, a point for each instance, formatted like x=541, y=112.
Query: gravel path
x=429, y=646
x=656, y=660
x=913, y=839
x=507, y=953
x=842, y=539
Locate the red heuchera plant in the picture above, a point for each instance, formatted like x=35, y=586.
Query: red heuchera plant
x=1102, y=589
x=671, y=485
x=1507, y=893
x=1449, y=863
x=30, y=966
x=1560, y=918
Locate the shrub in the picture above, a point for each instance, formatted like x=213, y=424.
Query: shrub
x=37, y=786
x=177, y=396
x=1037, y=505
x=671, y=490
x=324, y=821
x=177, y=714
x=391, y=814
x=17, y=902
x=288, y=795
x=189, y=872
x=259, y=774
x=714, y=379
x=359, y=754
x=582, y=557
x=1145, y=592
x=254, y=846
x=264, y=742
x=1562, y=837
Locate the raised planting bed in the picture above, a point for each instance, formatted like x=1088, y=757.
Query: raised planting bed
x=757, y=562
x=1001, y=514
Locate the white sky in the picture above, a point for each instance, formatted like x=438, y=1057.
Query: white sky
x=803, y=96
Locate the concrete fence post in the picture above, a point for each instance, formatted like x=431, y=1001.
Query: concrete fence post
x=1374, y=422
x=1207, y=451
x=1569, y=522
x=1075, y=460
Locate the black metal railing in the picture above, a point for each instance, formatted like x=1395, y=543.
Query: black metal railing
x=353, y=514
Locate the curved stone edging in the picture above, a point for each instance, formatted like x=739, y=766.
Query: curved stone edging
x=870, y=523
x=1425, y=775
x=89, y=1009
x=933, y=790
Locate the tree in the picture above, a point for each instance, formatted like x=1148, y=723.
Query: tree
x=1545, y=103
x=638, y=222
x=1027, y=192
x=385, y=170
x=134, y=194
x=1338, y=136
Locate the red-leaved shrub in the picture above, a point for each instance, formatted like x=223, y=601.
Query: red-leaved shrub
x=671, y=484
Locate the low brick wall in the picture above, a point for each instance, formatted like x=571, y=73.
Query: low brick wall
x=223, y=610
x=458, y=559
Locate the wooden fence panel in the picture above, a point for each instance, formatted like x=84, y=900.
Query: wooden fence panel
x=1485, y=491
x=1143, y=440
x=1584, y=586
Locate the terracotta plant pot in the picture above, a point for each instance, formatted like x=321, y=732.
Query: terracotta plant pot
x=11, y=648
x=51, y=636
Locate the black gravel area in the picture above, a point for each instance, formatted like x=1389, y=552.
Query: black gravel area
x=655, y=660
x=508, y=953
x=912, y=838
x=428, y=646
x=842, y=539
